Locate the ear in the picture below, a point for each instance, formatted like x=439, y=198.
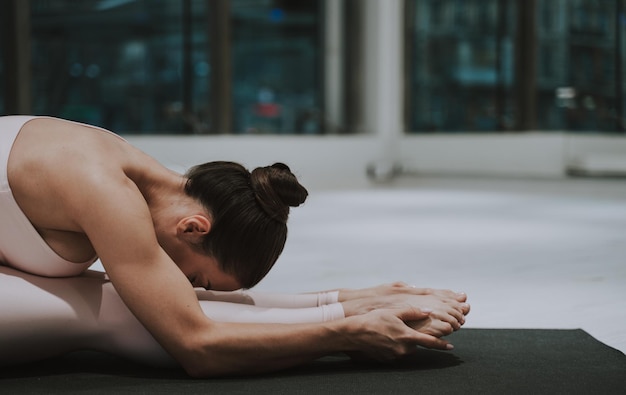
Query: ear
x=193, y=228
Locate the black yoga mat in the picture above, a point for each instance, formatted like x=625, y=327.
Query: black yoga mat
x=485, y=361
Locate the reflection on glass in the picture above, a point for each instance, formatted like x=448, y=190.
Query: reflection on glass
x=460, y=65
x=276, y=66
x=119, y=64
x=463, y=57
x=2, y=76
x=1, y=79
x=577, y=83
x=621, y=22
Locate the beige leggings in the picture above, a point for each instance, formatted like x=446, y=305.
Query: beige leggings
x=43, y=317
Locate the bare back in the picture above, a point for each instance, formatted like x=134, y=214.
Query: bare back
x=51, y=158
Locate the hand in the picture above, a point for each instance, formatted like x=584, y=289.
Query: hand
x=448, y=308
x=399, y=288
x=382, y=334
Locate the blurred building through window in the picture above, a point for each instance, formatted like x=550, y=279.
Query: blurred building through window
x=144, y=65
x=2, y=77
x=261, y=66
x=467, y=72
x=578, y=85
x=120, y=64
x=461, y=65
x=276, y=58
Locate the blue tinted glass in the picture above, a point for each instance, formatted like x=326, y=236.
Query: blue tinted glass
x=461, y=64
x=621, y=21
x=276, y=66
x=578, y=72
x=1, y=77
x=119, y=64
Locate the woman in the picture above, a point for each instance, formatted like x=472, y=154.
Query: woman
x=71, y=192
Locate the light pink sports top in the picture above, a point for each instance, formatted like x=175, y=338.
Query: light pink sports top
x=21, y=246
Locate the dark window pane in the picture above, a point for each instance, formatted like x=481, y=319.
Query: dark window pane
x=2, y=76
x=621, y=22
x=276, y=66
x=577, y=82
x=460, y=65
x=119, y=64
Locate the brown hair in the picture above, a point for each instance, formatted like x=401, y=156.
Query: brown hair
x=249, y=214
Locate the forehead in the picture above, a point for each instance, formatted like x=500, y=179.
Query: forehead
x=220, y=280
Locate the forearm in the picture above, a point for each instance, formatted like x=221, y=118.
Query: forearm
x=271, y=299
x=234, y=348
x=208, y=348
x=228, y=348
x=236, y=312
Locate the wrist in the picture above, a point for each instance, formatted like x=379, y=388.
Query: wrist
x=343, y=334
x=358, y=306
x=346, y=294
x=328, y=297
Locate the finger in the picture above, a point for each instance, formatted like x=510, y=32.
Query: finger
x=451, y=316
x=428, y=341
x=412, y=314
x=461, y=308
x=458, y=315
x=436, y=328
x=420, y=291
x=404, y=288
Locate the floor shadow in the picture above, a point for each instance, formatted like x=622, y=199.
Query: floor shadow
x=98, y=364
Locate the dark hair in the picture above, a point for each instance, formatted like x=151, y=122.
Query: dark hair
x=249, y=214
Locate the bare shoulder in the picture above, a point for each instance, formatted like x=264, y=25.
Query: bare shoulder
x=47, y=149
x=70, y=176
x=111, y=210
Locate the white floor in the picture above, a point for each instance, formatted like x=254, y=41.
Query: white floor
x=529, y=253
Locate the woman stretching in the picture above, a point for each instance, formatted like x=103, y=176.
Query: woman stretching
x=70, y=193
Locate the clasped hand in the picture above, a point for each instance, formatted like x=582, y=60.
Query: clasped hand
x=397, y=317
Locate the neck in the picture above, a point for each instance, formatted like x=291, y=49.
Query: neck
x=163, y=190
x=168, y=204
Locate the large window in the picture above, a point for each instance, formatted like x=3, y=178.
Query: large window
x=497, y=65
x=460, y=69
x=2, y=88
x=164, y=66
x=578, y=84
x=276, y=66
x=121, y=64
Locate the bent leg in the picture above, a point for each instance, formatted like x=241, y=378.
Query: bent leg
x=42, y=317
x=46, y=317
x=56, y=316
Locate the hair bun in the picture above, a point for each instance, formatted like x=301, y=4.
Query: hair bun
x=276, y=189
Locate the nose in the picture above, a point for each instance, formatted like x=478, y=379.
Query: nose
x=197, y=282
x=203, y=282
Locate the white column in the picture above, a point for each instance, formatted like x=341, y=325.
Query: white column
x=384, y=72
x=333, y=64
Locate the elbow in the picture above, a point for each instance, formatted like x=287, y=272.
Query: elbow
x=200, y=371
x=202, y=358
x=200, y=364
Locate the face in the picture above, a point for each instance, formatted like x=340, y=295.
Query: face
x=204, y=272
x=201, y=270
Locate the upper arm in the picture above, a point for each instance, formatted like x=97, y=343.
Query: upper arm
x=115, y=217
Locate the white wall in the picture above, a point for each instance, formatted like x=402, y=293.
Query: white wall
x=596, y=155
x=510, y=155
x=324, y=162
x=319, y=161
